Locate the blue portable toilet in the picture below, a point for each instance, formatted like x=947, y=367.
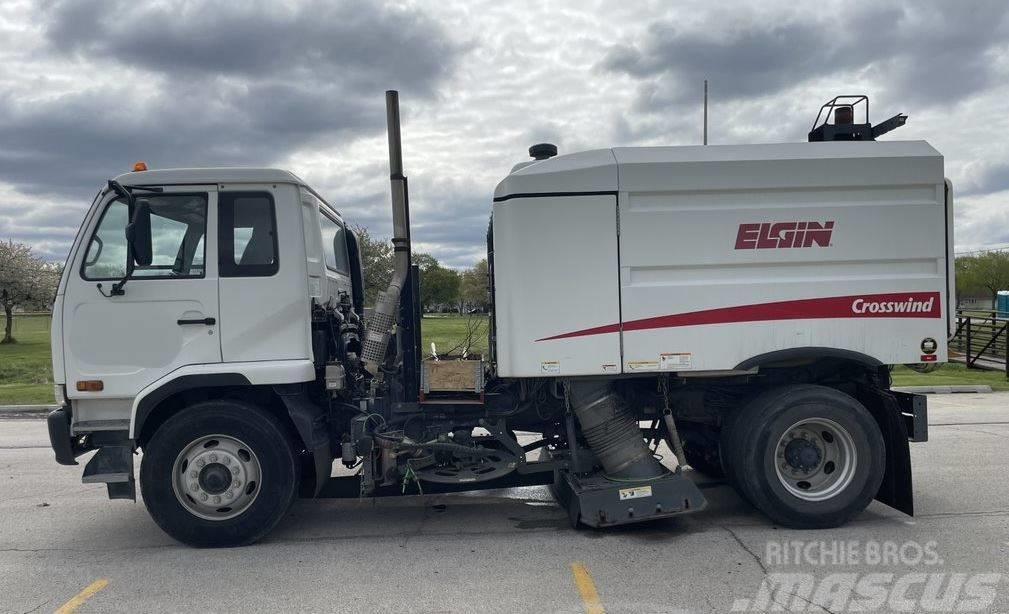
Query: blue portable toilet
x=1002, y=303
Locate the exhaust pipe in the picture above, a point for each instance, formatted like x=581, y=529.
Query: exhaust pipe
x=383, y=318
x=612, y=432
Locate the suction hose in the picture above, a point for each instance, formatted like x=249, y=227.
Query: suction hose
x=612, y=432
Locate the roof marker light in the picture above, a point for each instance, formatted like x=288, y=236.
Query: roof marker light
x=139, y=166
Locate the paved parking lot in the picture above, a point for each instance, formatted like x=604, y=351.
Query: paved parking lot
x=513, y=551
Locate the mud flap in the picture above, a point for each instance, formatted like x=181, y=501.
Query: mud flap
x=310, y=421
x=896, y=490
x=112, y=466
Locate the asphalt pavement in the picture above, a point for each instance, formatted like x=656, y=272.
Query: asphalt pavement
x=63, y=542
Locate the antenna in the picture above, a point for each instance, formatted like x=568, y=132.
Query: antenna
x=705, y=111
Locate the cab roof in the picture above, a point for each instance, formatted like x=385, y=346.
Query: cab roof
x=205, y=176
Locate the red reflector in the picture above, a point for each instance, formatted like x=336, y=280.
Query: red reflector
x=929, y=358
x=90, y=385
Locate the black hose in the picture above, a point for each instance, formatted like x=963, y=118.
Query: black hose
x=443, y=446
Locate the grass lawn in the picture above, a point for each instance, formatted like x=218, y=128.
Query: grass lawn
x=449, y=331
x=950, y=375
x=26, y=372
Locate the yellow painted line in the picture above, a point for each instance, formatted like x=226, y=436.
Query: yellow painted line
x=79, y=599
x=587, y=589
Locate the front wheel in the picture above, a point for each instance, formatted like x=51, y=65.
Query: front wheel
x=219, y=473
x=809, y=457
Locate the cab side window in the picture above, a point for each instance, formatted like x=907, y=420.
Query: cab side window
x=178, y=227
x=247, y=235
x=334, y=244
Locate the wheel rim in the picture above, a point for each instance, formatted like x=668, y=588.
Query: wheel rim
x=216, y=477
x=815, y=459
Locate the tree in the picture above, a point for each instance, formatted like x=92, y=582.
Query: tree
x=987, y=272
x=425, y=262
x=438, y=285
x=474, y=286
x=376, y=260
x=25, y=281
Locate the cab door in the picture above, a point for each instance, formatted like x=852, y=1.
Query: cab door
x=167, y=316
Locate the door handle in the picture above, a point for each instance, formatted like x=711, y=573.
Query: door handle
x=207, y=321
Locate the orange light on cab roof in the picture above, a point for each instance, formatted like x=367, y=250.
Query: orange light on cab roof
x=90, y=385
x=139, y=166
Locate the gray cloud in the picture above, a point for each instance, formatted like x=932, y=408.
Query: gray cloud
x=86, y=88
x=922, y=52
x=219, y=86
x=363, y=45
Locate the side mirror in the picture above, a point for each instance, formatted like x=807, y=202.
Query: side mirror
x=138, y=234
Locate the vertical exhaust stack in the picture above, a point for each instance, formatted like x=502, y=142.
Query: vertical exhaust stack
x=386, y=307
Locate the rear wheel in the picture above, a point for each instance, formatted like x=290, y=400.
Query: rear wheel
x=808, y=457
x=701, y=450
x=219, y=473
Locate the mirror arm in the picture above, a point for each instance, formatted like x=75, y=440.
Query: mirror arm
x=117, y=288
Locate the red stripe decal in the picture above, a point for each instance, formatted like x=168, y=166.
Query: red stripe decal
x=895, y=305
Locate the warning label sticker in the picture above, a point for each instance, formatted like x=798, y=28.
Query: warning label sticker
x=637, y=492
x=551, y=367
x=642, y=365
x=675, y=361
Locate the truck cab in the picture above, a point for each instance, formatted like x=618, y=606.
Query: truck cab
x=237, y=259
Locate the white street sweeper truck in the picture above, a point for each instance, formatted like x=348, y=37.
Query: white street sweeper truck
x=742, y=304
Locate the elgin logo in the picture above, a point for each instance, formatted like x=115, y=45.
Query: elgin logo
x=781, y=235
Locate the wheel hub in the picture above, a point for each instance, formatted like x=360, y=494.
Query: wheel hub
x=815, y=459
x=803, y=455
x=216, y=477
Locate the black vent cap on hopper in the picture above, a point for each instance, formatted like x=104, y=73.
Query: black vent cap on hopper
x=542, y=151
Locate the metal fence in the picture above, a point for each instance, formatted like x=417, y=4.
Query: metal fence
x=982, y=338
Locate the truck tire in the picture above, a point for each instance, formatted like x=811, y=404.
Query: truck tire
x=219, y=474
x=701, y=451
x=807, y=456
x=728, y=445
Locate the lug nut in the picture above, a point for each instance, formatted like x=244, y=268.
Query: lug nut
x=201, y=463
x=229, y=495
x=227, y=460
x=237, y=483
x=213, y=458
x=194, y=487
x=217, y=498
x=193, y=474
x=203, y=496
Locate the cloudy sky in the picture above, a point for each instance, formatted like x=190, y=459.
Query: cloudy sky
x=87, y=88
